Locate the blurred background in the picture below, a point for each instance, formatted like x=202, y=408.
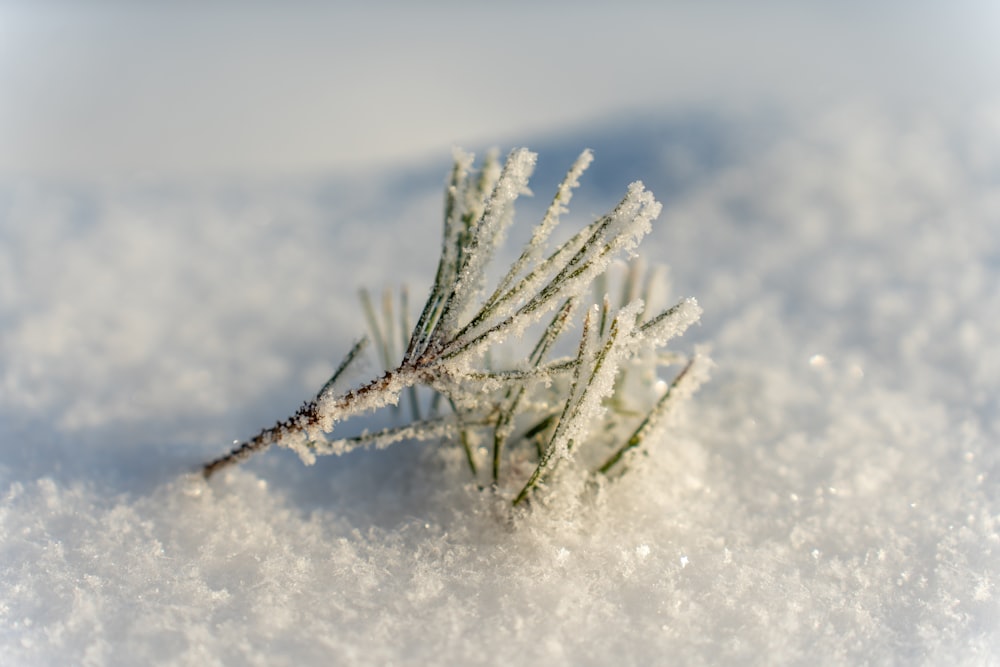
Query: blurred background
x=187, y=89
x=190, y=193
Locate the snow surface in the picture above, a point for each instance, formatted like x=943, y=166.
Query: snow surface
x=831, y=495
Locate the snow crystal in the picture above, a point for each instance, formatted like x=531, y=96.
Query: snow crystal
x=845, y=509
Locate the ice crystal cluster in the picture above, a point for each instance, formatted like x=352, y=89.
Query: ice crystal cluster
x=501, y=378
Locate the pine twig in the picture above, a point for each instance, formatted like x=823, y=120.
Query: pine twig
x=552, y=403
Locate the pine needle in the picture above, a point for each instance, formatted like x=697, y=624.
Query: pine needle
x=540, y=409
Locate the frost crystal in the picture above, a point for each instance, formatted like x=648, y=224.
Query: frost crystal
x=544, y=407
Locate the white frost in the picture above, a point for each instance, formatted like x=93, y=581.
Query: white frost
x=144, y=327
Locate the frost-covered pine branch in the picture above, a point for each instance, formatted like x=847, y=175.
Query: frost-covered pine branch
x=541, y=405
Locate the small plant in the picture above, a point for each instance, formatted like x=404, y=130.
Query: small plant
x=515, y=421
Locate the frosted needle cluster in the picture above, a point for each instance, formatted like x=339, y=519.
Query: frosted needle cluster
x=516, y=421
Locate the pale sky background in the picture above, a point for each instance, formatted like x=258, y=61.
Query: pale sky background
x=115, y=88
